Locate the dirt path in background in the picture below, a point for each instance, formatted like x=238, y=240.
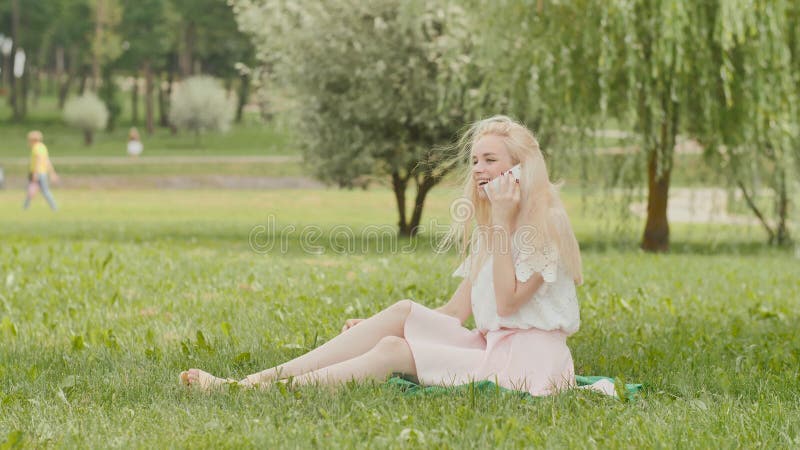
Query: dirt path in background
x=697, y=205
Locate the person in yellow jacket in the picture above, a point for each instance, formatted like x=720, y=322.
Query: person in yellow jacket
x=40, y=170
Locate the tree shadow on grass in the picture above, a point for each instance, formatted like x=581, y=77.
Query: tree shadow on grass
x=332, y=240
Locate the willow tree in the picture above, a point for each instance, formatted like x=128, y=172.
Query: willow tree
x=725, y=71
x=748, y=115
x=380, y=86
x=648, y=53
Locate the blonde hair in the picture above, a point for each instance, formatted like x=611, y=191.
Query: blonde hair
x=540, y=205
x=133, y=134
x=35, y=135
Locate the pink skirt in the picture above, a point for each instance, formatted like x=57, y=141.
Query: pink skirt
x=447, y=354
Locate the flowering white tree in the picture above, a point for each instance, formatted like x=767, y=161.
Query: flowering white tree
x=200, y=104
x=88, y=113
x=380, y=85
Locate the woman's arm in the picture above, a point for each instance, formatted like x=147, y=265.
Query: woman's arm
x=460, y=304
x=510, y=294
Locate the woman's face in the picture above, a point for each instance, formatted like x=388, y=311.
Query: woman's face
x=489, y=159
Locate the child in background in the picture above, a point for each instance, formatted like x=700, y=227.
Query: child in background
x=135, y=146
x=40, y=171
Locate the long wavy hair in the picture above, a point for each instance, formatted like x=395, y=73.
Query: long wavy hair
x=540, y=210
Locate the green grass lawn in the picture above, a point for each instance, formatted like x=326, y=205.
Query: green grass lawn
x=251, y=137
x=103, y=303
x=136, y=168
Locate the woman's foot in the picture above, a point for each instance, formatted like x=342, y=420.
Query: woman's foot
x=257, y=383
x=196, y=378
x=249, y=382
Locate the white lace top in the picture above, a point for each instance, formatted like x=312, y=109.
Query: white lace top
x=553, y=306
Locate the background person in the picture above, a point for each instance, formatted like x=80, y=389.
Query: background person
x=135, y=146
x=41, y=170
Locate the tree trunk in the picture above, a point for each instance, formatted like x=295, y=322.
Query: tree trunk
x=107, y=91
x=88, y=137
x=50, y=83
x=186, y=48
x=148, y=98
x=656, y=231
x=399, y=185
x=6, y=69
x=419, y=202
x=69, y=66
x=782, y=233
x=244, y=93
x=82, y=85
x=135, y=101
x=163, y=112
x=36, y=90
x=12, y=97
x=170, y=80
x=63, y=90
x=60, y=59
x=659, y=169
x=22, y=100
x=753, y=207
x=99, y=18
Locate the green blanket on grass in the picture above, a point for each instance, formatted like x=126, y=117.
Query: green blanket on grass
x=411, y=388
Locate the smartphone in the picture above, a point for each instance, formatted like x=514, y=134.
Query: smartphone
x=515, y=171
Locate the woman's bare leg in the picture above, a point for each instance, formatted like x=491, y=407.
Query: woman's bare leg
x=391, y=354
x=352, y=343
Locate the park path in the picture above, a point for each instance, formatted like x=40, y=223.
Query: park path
x=698, y=205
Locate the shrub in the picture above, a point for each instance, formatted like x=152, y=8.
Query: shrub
x=201, y=104
x=87, y=113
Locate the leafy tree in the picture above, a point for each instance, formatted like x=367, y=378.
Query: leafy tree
x=70, y=42
x=382, y=85
x=106, y=44
x=146, y=27
x=30, y=23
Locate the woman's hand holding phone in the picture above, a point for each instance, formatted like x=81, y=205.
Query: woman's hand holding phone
x=504, y=194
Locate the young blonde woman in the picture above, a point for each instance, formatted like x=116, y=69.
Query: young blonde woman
x=519, y=284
